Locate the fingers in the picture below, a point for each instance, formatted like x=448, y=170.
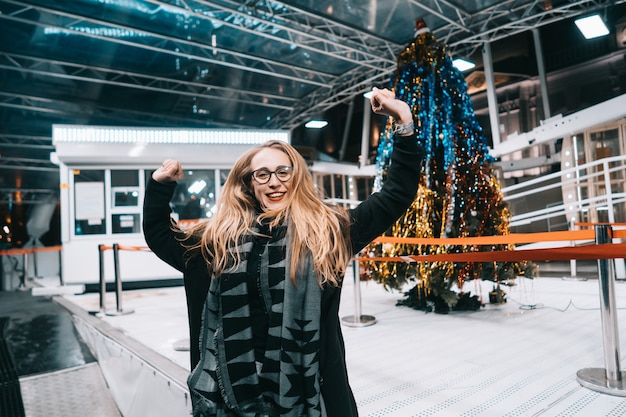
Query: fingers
x=381, y=99
x=170, y=170
x=171, y=165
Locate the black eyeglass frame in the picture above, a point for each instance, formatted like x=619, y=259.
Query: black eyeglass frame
x=275, y=172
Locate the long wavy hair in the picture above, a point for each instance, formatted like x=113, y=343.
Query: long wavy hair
x=314, y=226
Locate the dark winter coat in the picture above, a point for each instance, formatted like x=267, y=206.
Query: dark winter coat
x=369, y=220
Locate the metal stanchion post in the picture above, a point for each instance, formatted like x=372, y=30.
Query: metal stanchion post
x=24, y=274
x=118, y=284
x=572, y=262
x=61, y=282
x=609, y=380
x=358, y=319
x=103, y=284
x=35, y=268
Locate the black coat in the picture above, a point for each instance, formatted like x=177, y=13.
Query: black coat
x=368, y=221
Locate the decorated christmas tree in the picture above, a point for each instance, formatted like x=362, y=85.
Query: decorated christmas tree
x=458, y=196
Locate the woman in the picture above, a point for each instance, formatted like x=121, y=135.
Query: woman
x=263, y=277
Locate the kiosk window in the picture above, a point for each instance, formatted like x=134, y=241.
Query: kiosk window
x=89, y=202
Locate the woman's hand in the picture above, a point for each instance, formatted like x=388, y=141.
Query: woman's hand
x=169, y=171
x=384, y=102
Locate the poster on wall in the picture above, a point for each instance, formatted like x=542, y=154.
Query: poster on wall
x=89, y=201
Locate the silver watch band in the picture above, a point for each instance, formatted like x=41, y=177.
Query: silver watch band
x=403, y=129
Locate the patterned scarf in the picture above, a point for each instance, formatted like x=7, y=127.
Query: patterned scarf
x=226, y=381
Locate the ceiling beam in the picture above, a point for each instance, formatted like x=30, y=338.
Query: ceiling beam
x=98, y=75
x=167, y=45
x=298, y=27
x=90, y=110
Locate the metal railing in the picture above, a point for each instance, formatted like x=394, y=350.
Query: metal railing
x=595, y=186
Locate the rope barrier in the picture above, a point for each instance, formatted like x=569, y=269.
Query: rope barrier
x=123, y=247
x=510, y=239
x=591, y=252
x=26, y=251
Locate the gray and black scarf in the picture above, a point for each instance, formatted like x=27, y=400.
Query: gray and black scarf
x=226, y=381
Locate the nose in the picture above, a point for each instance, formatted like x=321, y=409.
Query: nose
x=274, y=179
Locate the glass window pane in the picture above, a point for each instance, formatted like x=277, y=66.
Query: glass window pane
x=89, y=207
x=124, y=178
x=125, y=197
x=126, y=223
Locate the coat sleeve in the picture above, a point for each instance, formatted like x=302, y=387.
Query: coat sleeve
x=158, y=229
x=381, y=209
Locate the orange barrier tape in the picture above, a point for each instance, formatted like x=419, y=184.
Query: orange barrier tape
x=122, y=247
x=591, y=252
x=23, y=251
x=511, y=239
x=135, y=248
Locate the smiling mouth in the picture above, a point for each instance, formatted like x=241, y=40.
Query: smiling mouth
x=275, y=196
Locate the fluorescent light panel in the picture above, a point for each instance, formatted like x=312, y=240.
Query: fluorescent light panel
x=592, y=26
x=463, y=64
x=315, y=124
x=103, y=134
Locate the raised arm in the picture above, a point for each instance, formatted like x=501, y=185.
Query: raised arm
x=376, y=214
x=158, y=230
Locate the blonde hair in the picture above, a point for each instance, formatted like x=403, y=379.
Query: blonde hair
x=315, y=227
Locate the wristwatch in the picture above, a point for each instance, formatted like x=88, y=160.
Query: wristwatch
x=403, y=129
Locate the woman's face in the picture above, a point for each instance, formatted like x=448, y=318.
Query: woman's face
x=273, y=195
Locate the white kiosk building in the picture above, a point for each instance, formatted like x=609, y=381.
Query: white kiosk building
x=103, y=172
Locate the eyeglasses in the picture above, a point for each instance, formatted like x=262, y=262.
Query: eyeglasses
x=263, y=175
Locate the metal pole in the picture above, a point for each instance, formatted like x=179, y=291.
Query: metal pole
x=572, y=262
x=492, y=97
x=35, y=268
x=365, y=133
x=118, y=283
x=61, y=282
x=22, y=283
x=542, y=74
x=358, y=319
x=609, y=380
x=103, y=285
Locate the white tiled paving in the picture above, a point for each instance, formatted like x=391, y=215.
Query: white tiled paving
x=519, y=358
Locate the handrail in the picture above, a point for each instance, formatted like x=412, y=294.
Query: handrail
x=596, y=172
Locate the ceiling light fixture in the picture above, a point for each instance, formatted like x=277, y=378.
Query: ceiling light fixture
x=592, y=26
x=463, y=64
x=315, y=124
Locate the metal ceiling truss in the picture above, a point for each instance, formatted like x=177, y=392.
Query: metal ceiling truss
x=86, y=73
x=124, y=117
x=27, y=164
x=43, y=143
x=343, y=89
x=180, y=48
x=509, y=18
x=301, y=28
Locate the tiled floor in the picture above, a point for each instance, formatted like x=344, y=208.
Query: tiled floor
x=519, y=358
